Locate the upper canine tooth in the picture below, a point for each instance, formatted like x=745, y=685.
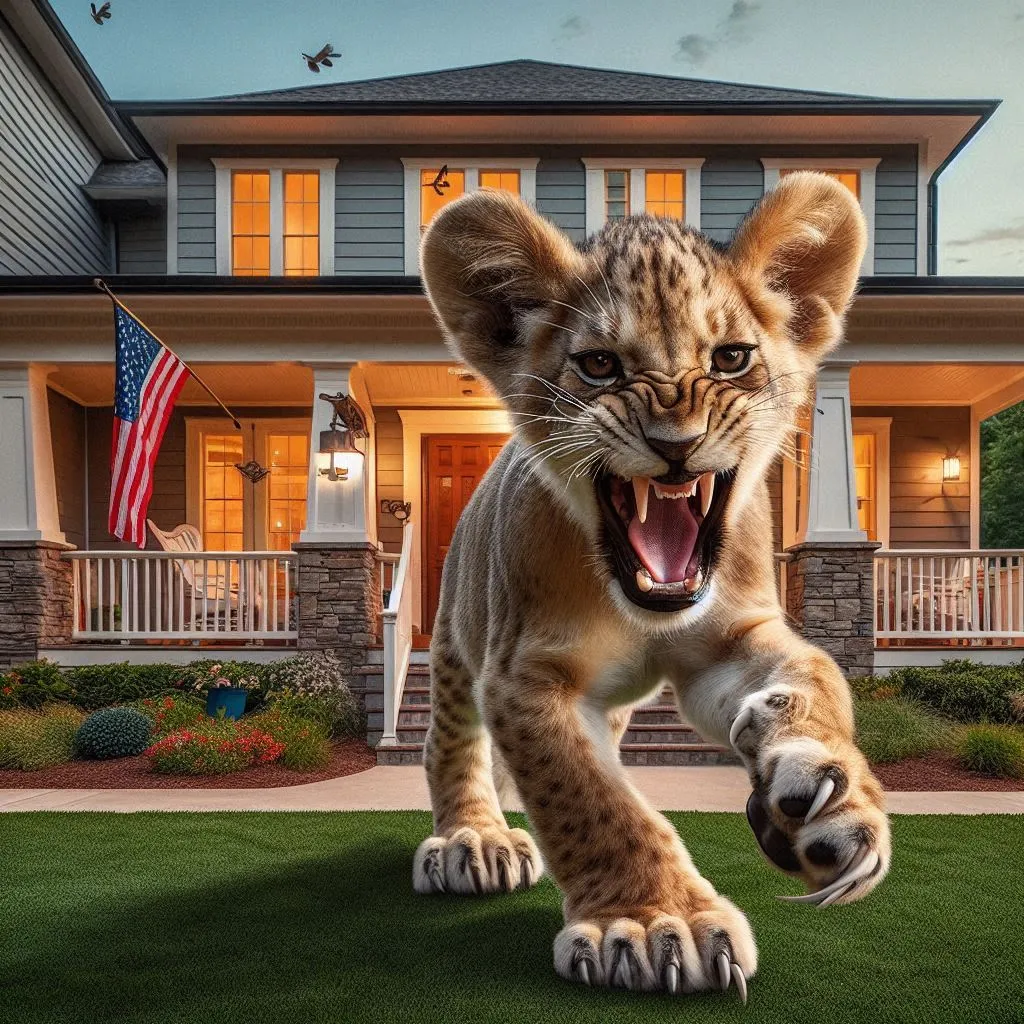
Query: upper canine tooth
x=641, y=488
x=707, y=492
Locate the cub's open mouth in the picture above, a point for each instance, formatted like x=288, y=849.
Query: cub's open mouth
x=662, y=539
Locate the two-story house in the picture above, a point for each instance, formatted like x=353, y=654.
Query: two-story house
x=271, y=239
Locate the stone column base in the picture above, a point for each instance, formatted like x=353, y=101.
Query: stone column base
x=830, y=595
x=35, y=599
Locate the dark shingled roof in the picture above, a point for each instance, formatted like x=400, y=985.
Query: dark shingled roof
x=123, y=174
x=539, y=82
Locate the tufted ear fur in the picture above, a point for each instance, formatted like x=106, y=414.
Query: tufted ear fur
x=805, y=240
x=487, y=259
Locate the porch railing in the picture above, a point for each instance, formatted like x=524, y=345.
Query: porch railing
x=388, y=568
x=972, y=596
x=397, y=630
x=204, y=595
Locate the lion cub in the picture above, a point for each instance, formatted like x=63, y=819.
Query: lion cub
x=622, y=538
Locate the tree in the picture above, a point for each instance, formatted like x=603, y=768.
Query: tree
x=1002, y=479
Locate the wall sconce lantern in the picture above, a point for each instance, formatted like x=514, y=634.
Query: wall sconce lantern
x=950, y=468
x=338, y=454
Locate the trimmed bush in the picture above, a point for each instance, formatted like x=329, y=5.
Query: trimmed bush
x=992, y=750
x=306, y=743
x=893, y=728
x=104, y=686
x=113, y=732
x=31, y=739
x=33, y=684
x=168, y=714
x=313, y=686
x=213, y=747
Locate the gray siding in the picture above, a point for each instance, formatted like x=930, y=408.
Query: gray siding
x=896, y=216
x=728, y=191
x=49, y=225
x=368, y=233
x=197, y=219
x=68, y=440
x=562, y=195
x=142, y=245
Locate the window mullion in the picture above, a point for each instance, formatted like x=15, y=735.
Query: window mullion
x=472, y=178
x=276, y=222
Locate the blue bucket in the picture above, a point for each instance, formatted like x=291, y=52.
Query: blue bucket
x=230, y=699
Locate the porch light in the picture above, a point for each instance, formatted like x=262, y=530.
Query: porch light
x=950, y=468
x=338, y=454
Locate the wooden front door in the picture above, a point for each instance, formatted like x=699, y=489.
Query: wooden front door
x=453, y=465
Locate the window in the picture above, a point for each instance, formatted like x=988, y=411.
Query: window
x=666, y=194
x=276, y=219
x=221, y=521
x=851, y=179
x=659, y=186
x=865, y=476
x=289, y=465
x=517, y=175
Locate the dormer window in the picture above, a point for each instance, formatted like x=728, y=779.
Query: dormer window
x=422, y=201
x=275, y=218
x=659, y=186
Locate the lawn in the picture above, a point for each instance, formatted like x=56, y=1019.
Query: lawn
x=309, y=918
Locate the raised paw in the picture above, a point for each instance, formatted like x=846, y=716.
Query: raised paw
x=712, y=949
x=816, y=810
x=474, y=862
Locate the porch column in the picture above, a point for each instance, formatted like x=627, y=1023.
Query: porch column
x=338, y=585
x=830, y=578
x=35, y=584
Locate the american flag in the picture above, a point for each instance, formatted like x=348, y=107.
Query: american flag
x=149, y=379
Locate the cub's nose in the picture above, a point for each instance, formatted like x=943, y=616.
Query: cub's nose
x=674, y=450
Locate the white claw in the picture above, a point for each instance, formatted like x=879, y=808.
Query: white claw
x=672, y=978
x=836, y=896
x=583, y=968
x=641, y=490
x=743, y=719
x=526, y=875
x=622, y=973
x=741, y=982
x=861, y=868
x=723, y=970
x=706, y=485
x=820, y=799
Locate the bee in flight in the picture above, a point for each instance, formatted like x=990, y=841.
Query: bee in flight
x=440, y=182
x=102, y=14
x=323, y=58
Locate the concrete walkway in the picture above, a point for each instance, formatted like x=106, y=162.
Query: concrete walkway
x=405, y=788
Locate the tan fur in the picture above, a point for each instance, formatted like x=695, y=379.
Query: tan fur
x=537, y=651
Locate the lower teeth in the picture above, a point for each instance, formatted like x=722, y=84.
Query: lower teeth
x=643, y=581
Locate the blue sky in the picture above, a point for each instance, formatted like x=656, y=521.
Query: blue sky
x=156, y=49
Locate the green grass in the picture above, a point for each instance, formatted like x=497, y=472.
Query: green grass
x=895, y=728
x=310, y=918
x=993, y=750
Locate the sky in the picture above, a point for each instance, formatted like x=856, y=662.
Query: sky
x=154, y=49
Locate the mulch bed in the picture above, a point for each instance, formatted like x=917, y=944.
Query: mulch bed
x=349, y=757
x=939, y=772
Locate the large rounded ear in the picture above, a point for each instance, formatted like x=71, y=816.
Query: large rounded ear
x=487, y=259
x=806, y=240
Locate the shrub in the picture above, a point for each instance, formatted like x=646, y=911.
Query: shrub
x=33, y=684
x=992, y=750
x=312, y=686
x=31, y=739
x=306, y=742
x=104, y=686
x=113, y=732
x=962, y=690
x=168, y=714
x=213, y=747
x=893, y=728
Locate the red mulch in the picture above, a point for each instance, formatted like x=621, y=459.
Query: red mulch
x=349, y=757
x=939, y=772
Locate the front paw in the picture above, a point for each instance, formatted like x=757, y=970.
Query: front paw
x=816, y=810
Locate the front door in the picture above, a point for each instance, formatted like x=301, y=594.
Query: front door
x=453, y=466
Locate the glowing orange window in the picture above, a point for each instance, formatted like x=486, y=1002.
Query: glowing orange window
x=666, y=194
x=222, y=510
x=430, y=201
x=507, y=181
x=301, y=224
x=851, y=179
x=289, y=464
x=250, y=223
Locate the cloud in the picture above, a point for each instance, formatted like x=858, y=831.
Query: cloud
x=987, y=236
x=733, y=28
x=572, y=28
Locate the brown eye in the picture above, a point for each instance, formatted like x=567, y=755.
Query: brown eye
x=730, y=359
x=598, y=367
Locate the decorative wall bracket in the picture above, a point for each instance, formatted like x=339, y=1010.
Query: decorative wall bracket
x=401, y=510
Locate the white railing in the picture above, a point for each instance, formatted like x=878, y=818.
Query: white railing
x=388, y=568
x=201, y=595
x=397, y=629
x=949, y=595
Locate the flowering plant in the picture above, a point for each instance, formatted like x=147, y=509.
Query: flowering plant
x=214, y=747
x=171, y=713
x=219, y=676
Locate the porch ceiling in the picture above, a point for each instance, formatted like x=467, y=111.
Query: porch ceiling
x=425, y=384
x=931, y=384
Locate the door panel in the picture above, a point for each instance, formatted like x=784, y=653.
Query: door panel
x=453, y=467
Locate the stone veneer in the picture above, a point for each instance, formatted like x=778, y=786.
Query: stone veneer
x=830, y=595
x=35, y=599
x=339, y=600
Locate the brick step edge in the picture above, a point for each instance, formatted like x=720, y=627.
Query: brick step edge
x=666, y=755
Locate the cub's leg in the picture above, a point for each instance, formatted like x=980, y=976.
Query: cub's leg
x=638, y=915
x=472, y=850
x=817, y=811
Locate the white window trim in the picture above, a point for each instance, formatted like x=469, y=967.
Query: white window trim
x=881, y=427
x=276, y=167
x=866, y=166
x=472, y=166
x=596, y=166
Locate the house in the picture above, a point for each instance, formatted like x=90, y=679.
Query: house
x=271, y=239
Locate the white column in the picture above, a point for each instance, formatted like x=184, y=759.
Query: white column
x=336, y=509
x=832, y=492
x=28, y=495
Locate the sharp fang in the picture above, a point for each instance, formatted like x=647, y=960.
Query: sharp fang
x=643, y=581
x=707, y=492
x=641, y=489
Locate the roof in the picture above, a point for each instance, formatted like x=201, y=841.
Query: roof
x=530, y=85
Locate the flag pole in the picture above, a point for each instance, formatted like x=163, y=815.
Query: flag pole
x=103, y=287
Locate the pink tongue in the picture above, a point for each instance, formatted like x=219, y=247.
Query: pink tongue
x=665, y=542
